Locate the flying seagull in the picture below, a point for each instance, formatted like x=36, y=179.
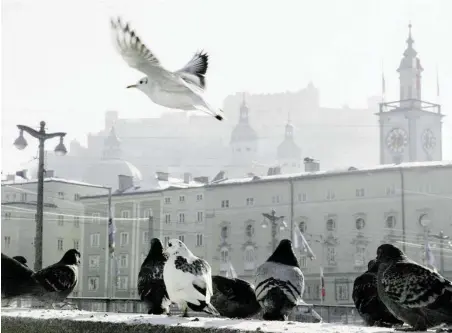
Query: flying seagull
x=367, y=302
x=188, y=279
x=151, y=287
x=233, y=297
x=279, y=283
x=182, y=89
x=419, y=296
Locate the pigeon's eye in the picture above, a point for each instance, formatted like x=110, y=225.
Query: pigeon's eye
x=169, y=244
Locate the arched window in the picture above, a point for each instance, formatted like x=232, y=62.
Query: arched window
x=360, y=223
x=250, y=258
x=249, y=231
x=330, y=225
x=224, y=232
x=390, y=222
x=224, y=255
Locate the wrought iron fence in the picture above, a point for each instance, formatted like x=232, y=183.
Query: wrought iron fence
x=343, y=314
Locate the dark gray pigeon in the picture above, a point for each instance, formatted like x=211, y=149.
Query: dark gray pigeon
x=367, y=302
x=17, y=279
x=58, y=280
x=279, y=283
x=413, y=293
x=234, y=298
x=151, y=287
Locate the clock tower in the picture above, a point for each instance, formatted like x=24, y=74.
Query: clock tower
x=410, y=128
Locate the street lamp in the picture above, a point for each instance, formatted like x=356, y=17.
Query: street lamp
x=60, y=150
x=275, y=222
x=441, y=238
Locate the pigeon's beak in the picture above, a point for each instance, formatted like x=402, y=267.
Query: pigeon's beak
x=131, y=86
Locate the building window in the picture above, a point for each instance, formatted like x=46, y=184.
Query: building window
x=342, y=291
x=359, y=192
x=250, y=258
x=76, y=221
x=181, y=218
x=302, y=197
x=93, y=261
x=23, y=197
x=360, y=256
x=182, y=238
x=167, y=200
x=76, y=244
x=182, y=198
x=7, y=216
x=123, y=261
x=331, y=255
x=60, y=244
x=95, y=240
x=199, y=240
x=302, y=226
x=390, y=190
x=275, y=199
x=225, y=204
x=125, y=214
x=124, y=238
x=250, y=201
x=167, y=218
x=123, y=282
x=390, y=222
x=199, y=197
x=330, y=195
x=166, y=240
x=95, y=218
x=303, y=262
x=249, y=230
x=224, y=232
x=360, y=223
x=76, y=197
x=60, y=220
x=200, y=216
x=7, y=241
x=330, y=225
x=147, y=213
x=93, y=283
x=224, y=256
x=146, y=237
x=60, y=195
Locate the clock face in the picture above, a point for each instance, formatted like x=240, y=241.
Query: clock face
x=397, y=140
x=428, y=140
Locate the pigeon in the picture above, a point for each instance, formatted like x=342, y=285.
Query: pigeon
x=233, y=297
x=279, y=283
x=151, y=287
x=188, y=279
x=58, y=280
x=21, y=259
x=367, y=302
x=182, y=89
x=419, y=296
x=17, y=279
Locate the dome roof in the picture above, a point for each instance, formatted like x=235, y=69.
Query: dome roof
x=106, y=172
x=288, y=149
x=243, y=132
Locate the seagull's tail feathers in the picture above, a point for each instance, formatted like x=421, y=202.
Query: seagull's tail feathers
x=210, y=309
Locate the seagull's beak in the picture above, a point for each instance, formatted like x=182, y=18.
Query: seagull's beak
x=131, y=86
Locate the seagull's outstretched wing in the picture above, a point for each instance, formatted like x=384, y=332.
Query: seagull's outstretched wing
x=134, y=52
x=195, y=70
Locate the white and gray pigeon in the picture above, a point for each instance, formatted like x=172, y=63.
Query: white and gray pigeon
x=182, y=89
x=188, y=279
x=151, y=287
x=279, y=283
x=419, y=296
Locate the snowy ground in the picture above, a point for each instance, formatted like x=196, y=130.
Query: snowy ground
x=244, y=325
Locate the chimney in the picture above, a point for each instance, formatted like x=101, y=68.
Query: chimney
x=311, y=165
x=124, y=182
x=201, y=179
x=49, y=173
x=162, y=175
x=187, y=177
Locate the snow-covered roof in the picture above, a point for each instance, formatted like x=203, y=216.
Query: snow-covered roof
x=22, y=181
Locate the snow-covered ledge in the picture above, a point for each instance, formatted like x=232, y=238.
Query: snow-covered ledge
x=67, y=321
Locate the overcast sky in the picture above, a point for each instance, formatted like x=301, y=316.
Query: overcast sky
x=58, y=63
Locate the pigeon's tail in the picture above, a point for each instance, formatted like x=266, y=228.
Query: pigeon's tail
x=210, y=309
